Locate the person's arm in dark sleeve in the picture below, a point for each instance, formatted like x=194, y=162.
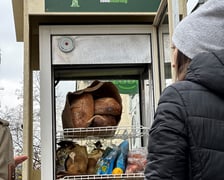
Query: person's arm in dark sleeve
x=167, y=146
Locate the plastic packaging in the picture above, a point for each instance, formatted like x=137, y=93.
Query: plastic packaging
x=106, y=162
x=136, y=161
x=121, y=161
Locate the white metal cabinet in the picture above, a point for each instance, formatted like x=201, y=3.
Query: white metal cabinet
x=87, y=52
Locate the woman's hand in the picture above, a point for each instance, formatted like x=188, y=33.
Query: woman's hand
x=20, y=159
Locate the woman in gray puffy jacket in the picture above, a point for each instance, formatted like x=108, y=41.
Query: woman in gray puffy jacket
x=186, y=140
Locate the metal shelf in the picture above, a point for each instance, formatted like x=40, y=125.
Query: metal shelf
x=108, y=133
x=112, y=132
x=134, y=176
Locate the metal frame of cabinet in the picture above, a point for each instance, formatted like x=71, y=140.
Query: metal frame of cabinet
x=48, y=134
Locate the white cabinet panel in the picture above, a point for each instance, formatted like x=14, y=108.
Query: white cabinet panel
x=101, y=49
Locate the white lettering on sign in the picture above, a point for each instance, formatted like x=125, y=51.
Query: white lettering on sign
x=104, y=1
x=114, y=1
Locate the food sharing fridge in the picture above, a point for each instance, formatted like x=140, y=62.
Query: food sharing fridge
x=96, y=100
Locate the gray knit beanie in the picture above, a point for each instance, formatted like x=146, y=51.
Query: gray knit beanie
x=201, y=31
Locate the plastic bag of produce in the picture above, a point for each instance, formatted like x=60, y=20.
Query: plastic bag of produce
x=136, y=161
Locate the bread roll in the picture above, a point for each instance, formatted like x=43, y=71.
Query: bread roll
x=107, y=106
x=82, y=109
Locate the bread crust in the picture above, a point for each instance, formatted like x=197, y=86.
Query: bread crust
x=103, y=120
x=82, y=109
x=107, y=106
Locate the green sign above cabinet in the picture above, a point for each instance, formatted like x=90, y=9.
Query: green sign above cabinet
x=144, y=6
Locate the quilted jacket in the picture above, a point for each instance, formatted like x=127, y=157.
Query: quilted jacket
x=186, y=140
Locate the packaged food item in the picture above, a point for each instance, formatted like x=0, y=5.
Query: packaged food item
x=77, y=160
x=65, y=147
x=136, y=161
x=105, y=164
x=121, y=161
x=93, y=157
x=71, y=159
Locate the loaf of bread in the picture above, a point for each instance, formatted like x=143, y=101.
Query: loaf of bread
x=82, y=109
x=107, y=106
x=103, y=120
